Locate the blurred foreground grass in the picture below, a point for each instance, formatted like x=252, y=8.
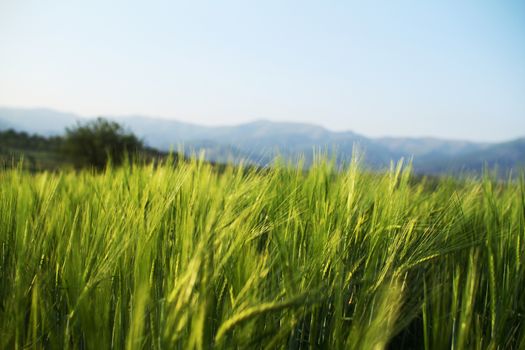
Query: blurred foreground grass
x=188, y=257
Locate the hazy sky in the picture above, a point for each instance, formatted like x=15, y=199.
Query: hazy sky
x=415, y=68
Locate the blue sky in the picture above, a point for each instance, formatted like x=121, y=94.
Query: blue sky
x=453, y=69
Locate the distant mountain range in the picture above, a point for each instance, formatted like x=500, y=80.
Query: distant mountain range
x=260, y=141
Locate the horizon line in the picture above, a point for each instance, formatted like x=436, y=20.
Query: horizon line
x=253, y=121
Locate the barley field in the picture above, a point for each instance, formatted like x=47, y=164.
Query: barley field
x=190, y=256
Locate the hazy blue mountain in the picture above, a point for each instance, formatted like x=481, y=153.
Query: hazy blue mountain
x=40, y=121
x=501, y=156
x=5, y=125
x=260, y=141
x=428, y=145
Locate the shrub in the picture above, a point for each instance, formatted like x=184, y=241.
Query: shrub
x=94, y=143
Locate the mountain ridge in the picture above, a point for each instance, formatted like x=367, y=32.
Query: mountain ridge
x=259, y=141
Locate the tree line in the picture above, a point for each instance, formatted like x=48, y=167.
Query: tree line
x=89, y=144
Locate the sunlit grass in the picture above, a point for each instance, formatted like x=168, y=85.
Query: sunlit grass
x=189, y=257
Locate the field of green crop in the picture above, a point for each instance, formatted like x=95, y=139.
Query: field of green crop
x=190, y=257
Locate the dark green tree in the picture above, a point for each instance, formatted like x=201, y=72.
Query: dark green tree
x=94, y=143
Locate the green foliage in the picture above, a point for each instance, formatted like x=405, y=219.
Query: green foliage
x=187, y=257
x=12, y=139
x=39, y=153
x=36, y=152
x=94, y=143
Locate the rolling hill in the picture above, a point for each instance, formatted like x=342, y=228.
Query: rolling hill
x=260, y=141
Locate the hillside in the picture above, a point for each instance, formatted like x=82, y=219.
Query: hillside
x=503, y=156
x=427, y=146
x=37, y=152
x=260, y=141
